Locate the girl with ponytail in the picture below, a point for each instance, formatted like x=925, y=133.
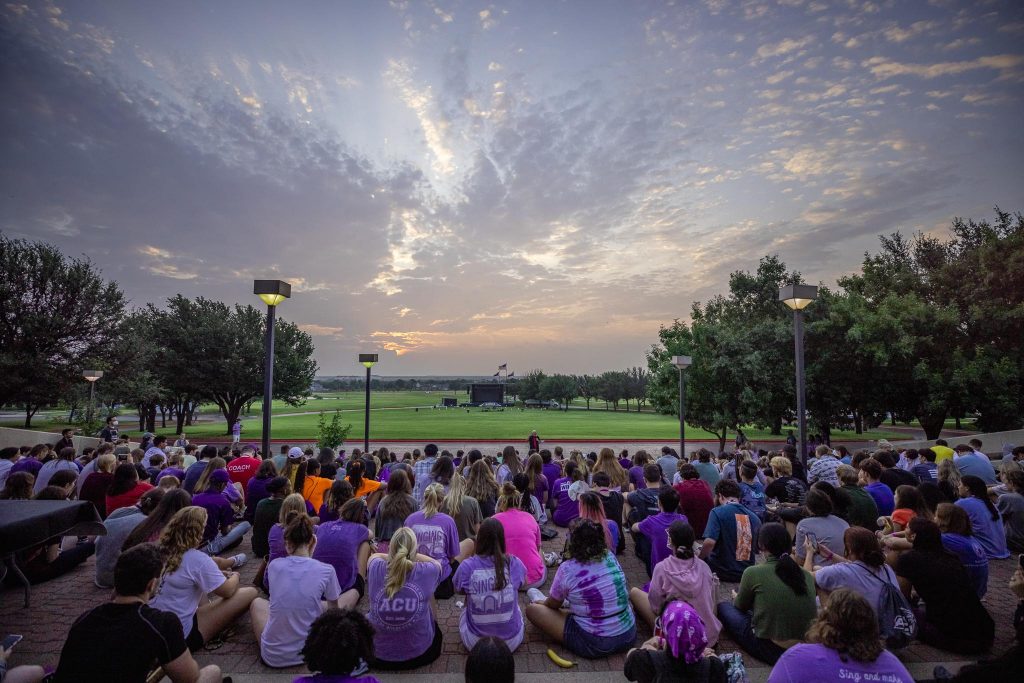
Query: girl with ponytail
x=775, y=603
x=399, y=586
x=438, y=537
x=281, y=624
x=680, y=576
x=986, y=524
x=521, y=534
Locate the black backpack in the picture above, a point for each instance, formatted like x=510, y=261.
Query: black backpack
x=896, y=620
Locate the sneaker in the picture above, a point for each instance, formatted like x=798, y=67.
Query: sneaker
x=535, y=595
x=551, y=559
x=362, y=668
x=238, y=560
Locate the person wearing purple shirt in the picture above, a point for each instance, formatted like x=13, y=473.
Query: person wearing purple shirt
x=219, y=533
x=28, y=464
x=436, y=532
x=655, y=527
x=169, y=472
x=565, y=508
x=551, y=470
x=870, y=479
x=256, y=489
x=345, y=545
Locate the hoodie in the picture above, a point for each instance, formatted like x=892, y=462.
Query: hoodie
x=690, y=581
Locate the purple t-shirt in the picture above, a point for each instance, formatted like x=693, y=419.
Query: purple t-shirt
x=170, y=472
x=883, y=497
x=337, y=544
x=489, y=612
x=566, y=509
x=219, y=512
x=655, y=528
x=624, y=463
x=805, y=662
x=636, y=477
x=552, y=471
x=403, y=625
x=438, y=537
x=26, y=465
x=541, y=487
x=255, y=491
x=598, y=595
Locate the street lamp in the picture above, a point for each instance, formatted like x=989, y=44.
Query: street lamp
x=272, y=292
x=798, y=297
x=368, y=360
x=682, y=362
x=91, y=376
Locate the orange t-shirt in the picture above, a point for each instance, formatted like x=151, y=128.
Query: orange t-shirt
x=902, y=516
x=367, y=487
x=313, y=490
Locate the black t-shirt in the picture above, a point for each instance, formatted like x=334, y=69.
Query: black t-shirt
x=787, y=490
x=648, y=666
x=119, y=643
x=894, y=477
x=951, y=603
x=643, y=504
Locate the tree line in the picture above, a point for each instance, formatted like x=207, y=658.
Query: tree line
x=612, y=387
x=929, y=329
x=58, y=316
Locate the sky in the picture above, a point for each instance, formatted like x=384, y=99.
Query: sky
x=456, y=185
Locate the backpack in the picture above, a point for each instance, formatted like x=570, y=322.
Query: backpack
x=896, y=620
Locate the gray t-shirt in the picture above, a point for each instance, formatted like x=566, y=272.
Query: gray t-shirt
x=1011, y=508
x=827, y=530
x=668, y=464
x=862, y=579
x=108, y=548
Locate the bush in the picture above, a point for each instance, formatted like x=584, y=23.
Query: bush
x=332, y=433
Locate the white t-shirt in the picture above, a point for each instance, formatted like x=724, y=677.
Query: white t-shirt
x=299, y=583
x=181, y=591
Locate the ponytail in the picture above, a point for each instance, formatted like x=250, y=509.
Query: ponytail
x=508, y=497
x=775, y=540
x=978, y=489
x=299, y=531
x=355, y=474
x=433, y=498
x=401, y=558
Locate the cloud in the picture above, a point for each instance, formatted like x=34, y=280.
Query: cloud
x=783, y=47
x=883, y=68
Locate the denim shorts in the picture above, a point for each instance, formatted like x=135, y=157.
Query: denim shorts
x=590, y=646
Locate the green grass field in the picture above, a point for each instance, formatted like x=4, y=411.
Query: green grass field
x=394, y=415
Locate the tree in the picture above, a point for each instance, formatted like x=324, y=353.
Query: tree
x=56, y=315
x=561, y=388
x=612, y=388
x=636, y=385
x=530, y=383
x=586, y=388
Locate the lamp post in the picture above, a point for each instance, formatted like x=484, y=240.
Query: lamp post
x=368, y=360
x=272, y=292
x=682, y=362
x=798, y=297
x=91, y=376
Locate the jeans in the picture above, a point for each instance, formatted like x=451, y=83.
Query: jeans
x=228, y=540
x=739, y=626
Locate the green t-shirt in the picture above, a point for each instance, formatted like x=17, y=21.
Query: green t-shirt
x=778, y=613
x=863, y=511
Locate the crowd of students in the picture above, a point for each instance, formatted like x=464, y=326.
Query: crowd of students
x=857, y=552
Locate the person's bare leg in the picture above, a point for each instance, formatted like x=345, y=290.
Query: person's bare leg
x=550, y=621
x=466, y=548
x=25, y=674
x=223, y=563
x=210, y=674
x=217, y=615
x=349, y=599
x=642, y=606
x=259, y=612
x=362, y=558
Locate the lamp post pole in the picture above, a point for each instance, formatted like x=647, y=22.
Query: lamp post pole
x=91, y=376
x=798, y=297
x=368, y=360
x=682, y=362
x=271, y=292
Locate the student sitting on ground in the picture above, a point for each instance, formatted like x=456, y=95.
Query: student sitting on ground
x=120, y=640
x=490, y=661
x=986, y=522
x=843, y=645
x=863, y=569
x=340, y=642
x=345, y=545
x=120, y=526
x=490, y=579
x=680, y=654
x=654, y=528
x=400, y=586
x=775, y=603
x=592, y=509
x=339, y=494
x=190, y=575
x=438, y=537
x=300, y=582
x=268, y=512
x=521, y=535
x=394, y=508
x=729, y=536
x=599, y=620
x=680, y=576
x=221, y=531
x=824, y=529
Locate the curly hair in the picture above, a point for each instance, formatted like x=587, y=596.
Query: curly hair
x=849, y=626
x=586, y=542
x=509, y=498
x=183, y=533
x=337, y=640
x=481, y=483
x=340, y=493
x=608, y=463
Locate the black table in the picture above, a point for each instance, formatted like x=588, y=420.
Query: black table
x=25, y=523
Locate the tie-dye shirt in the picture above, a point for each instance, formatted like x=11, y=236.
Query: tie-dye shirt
x=597, y=595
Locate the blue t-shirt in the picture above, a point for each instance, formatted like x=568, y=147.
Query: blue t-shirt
x=973, y=557
x=925, y=471
x=708, y=472
x=753, y=498
x=883, y=497
x=978, y=465
x=989, y=532
x=734, y=530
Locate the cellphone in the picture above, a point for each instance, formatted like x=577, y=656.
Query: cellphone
x=10, y=641
x=814, y=541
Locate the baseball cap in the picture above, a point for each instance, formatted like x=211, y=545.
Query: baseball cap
x=295, y=452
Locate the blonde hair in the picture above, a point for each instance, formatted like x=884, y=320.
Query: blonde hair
x=456, y=491
x=609, y=464
x=293, y=503
x=105, y=463
x=510, y=497
x=217, y=463
x=481, y=483
x=169, y=481
x=433, y=498
x=781, y=466
x=582, y=464
x=182, y=533
x=401, y=558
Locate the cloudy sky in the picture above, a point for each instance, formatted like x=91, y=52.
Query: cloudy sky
x=459, y=184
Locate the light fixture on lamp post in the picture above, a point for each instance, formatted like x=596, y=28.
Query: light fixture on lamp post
x=272, y=292
x=682, y=362
x=91, y=376
x=368, y=360
x=798, y=297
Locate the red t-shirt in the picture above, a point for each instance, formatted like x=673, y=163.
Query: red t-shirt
x=695, y=501
x=243, y=469
x=127, y=498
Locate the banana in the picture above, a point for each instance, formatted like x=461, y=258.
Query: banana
x=564, y=663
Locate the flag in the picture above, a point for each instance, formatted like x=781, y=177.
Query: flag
x=511, y=374
x=496, y=374
x=503, y=366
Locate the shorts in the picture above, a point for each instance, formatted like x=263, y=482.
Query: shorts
x=359, y=585
x=590, y=646
x=446, y=588
x=432, y=653
x=195, y=641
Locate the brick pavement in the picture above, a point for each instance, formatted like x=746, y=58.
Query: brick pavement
x=56, y=604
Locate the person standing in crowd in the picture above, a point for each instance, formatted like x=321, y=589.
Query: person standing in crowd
x=533, y=443
x=110, y=430
x=399, y=587
x=729, y=536
x=843, y=645
x=681, y=653
x=775, y=603
x=236, y=431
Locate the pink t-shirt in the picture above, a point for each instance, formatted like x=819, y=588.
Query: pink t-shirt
x=522, y=540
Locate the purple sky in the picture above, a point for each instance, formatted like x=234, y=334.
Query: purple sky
x=458, y=185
